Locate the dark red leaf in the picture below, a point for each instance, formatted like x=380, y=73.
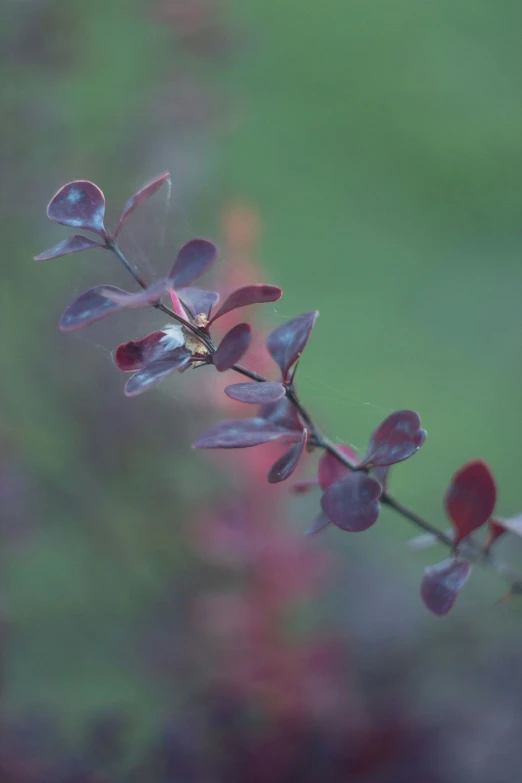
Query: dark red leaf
x=139, y=197
x=352, y=503
x=79, y=204
x=232, y=347
x=135, y=354
x=285, y=465
x=193, y=259
x=238, y=434
x=498, y=526
x=249, y=295
x=71, y=245
x=286, y=343
x=143, y=298
x=470, y=498
x=281, y=413
x=320, y=523
x=197, y=301
x=381, y=474
x=88, y=308
x=304, y=486
x=156, y=372
x=396, y=439
x=331, y=469
x=442, y=584
x=256, y=393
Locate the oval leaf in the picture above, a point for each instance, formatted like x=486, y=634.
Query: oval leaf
x=471, y=497
x=320, y=523
x=143, y=194
x=143, y=298
x=156, y=372
x=281, y=413
x=256, y=393
x=193, y=259
x=135, y=354
x=89, y=307
x=232, y=347
x=79, y=204
x=286, y=343
x=352, y=503
x=285, y=465
x=71, y=245
x=442, y=584
x=197, y=301
x=249, y=295
x=331, y=469
x=238, y=434
x=396, y=439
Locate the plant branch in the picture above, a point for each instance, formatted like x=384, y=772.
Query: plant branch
x=468, y=549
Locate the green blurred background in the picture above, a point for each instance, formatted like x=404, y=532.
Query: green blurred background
x=380, y=145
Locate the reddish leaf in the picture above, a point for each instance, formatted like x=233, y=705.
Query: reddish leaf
x=197, y=301
x=143, y=194
x=285, y=465
x=91, y=306
x=143, y=298
x=79, y=204
x=193, y=259
x=249, y=295
x=135, y=354
x=320, y=523
x=281, y=413
x=70, y=245
x=396, y=439
x=238, y=434
x=286, y=343
x=156, y=372
x=498, y=526
x=470, y=498
x=331, y=469
x=381, y=474
x=304, y=486
x=232, y=347
x=256, y=393
x=442, y=584
x=352, y=503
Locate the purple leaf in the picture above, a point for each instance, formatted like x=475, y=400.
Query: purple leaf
x=471, y=497
x=156, y=372
x=281, y=413
x=232, y=347
x=249, y=295
x=332, y=469
x=320, y=523
x=442, y=584
x=144, y=298
x=285, y=465
x=88, y=308
x=197, y=301
x=352, y=503
x=396, y=439
x=79, y=204
x=381, y=474
x=256, y=393
x=238, y=434
x=286, y=343
x=139, y=197
x=70, y=245
x=193, y=259
x=155, y=347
